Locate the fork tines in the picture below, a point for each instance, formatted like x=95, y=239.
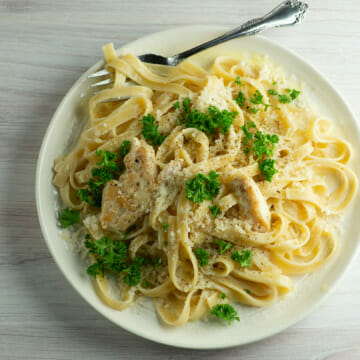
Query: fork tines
x=103, y=82
x=99, y=73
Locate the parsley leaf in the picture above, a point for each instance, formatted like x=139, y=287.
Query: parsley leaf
x=165, y=226
x=145, y=284
x=202, y=255
x=110, y=257
x=124, y=148
x=214, y=119
x=202, y=187
x=176, y=105
x=132, y=271
x=223, y=296
x=222, y=119
x=237, y=80
x=109, y=254
x=243, y=258
x=285, y=99
x=96, y=269
x=223, y=245
x=248, y=134
x=107, y=160
x=272, y=92
x=251, y=124
x=257, y=99
x=108, y=169
x=96, y=191
x=240, y=99
x=133, y=275
x=215, y=210
x=85, y=195
x=264, y=144
x=248, y=291
x=225, y=311
x=157, y=262
x=267, y=167
x=69, y=217
x=186, y=105
x=103, y=174
x=254, y=110
x=294, y=94
x=150, y=130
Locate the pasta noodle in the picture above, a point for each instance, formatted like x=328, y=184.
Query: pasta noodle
x=313, y=184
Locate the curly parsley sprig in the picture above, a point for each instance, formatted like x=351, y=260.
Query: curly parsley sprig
x=262, y=145
x=223, y=245
x=267, y=167
x=226, y=312
x=109, y=167
x=209, y=122
x=240, y=99
x=257, y=99
x=237, y=80
x=132, y=272
x=202, y=255
x=285, y=98
x=110, y=257
x=215, y=210
x=69, y=217
x=124, y=148
x=202, y=187
x=244, y=258
x=150, y=131
x=165, y=226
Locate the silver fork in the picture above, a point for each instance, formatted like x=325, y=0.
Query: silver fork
x=289, y=12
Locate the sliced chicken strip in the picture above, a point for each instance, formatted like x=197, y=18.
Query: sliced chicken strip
x=124, y=201
x=169, y=183
x=251, y=201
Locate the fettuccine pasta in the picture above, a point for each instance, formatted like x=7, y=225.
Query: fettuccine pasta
x=285, y=223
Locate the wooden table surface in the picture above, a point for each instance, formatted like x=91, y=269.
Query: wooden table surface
x=44, y=47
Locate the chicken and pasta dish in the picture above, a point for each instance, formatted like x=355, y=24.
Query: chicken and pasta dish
x=201, y=188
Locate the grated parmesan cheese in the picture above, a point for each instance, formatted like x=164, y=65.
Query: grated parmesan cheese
x=214, y=93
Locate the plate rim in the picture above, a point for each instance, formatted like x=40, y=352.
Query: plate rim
x=137, y=330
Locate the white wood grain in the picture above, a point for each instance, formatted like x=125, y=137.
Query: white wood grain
x=44, y=47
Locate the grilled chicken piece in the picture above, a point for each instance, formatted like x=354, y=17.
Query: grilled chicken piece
x=252, y=201
x=168, y=186
x=124, y=201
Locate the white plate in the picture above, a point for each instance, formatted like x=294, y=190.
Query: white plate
x=255, y=323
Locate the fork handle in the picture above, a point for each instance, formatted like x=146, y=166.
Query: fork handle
x=289, y=12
